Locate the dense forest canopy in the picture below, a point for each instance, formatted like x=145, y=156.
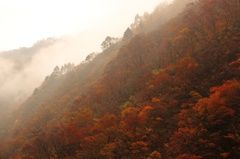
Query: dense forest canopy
x=169, y=88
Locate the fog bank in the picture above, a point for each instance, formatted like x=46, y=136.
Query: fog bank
x=18, y=83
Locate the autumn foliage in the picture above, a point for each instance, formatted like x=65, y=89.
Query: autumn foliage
x=172, y=92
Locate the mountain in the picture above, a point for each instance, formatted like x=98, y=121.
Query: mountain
x=31, y=65
x=169, y=88
x=14, y=63
x=22, y=56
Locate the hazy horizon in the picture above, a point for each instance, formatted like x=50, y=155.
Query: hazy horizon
x=25, y=22
x=79, y=26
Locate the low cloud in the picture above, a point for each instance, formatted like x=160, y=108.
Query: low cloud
x=18, y=84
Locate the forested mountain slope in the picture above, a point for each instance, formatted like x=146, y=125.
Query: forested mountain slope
x=13, y=64
x=172, y=92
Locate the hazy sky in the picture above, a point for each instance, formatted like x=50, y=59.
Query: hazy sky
x=23, y=22
x=81, y=26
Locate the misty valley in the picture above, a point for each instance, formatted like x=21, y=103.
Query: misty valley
x=167, y=88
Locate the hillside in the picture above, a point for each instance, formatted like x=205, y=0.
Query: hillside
x=14, y=65
x=22, y=55
x=169, y=88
